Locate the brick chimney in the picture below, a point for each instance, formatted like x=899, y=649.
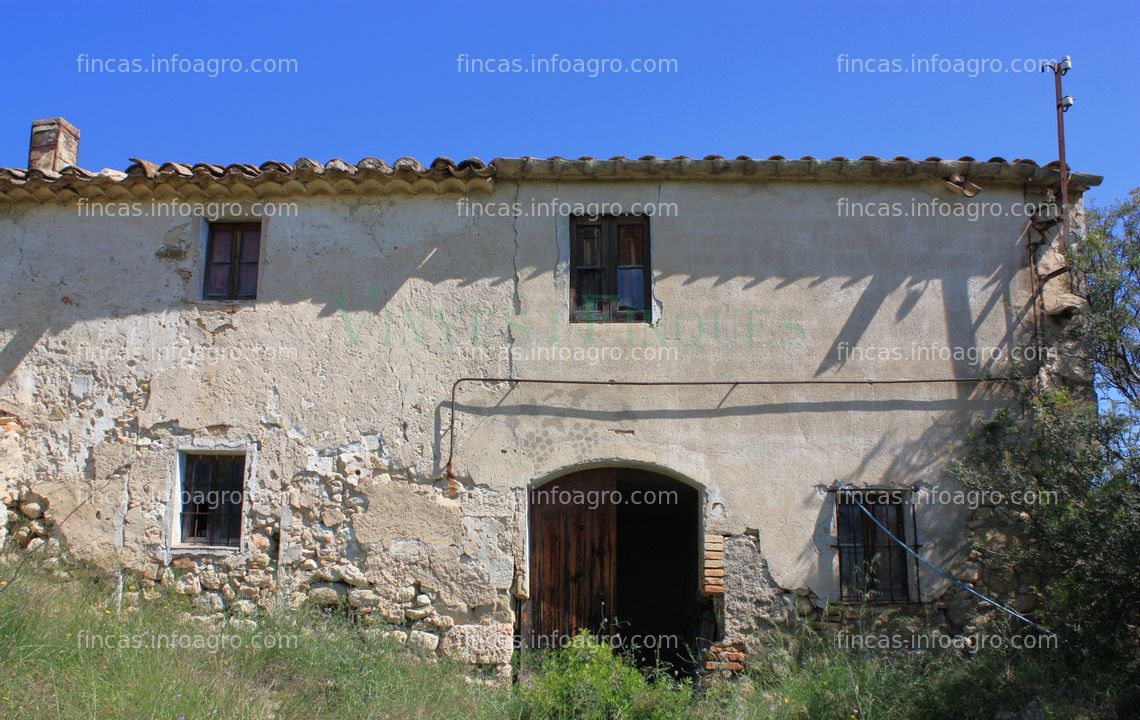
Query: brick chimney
x=54, y=146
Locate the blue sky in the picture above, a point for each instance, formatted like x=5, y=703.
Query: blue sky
x=384, y=80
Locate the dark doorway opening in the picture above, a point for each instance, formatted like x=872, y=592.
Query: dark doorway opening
x=615, y=551
x=657, y=587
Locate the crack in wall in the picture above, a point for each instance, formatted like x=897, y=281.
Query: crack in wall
x=516, y=300
x=557, y=248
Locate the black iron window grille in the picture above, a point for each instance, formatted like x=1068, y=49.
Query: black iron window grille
x=212, y=495
x=872, y=567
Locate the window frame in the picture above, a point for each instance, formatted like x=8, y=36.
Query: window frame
x=610, y=252
x=178, y=542
x=238, y=228
x=904, y=529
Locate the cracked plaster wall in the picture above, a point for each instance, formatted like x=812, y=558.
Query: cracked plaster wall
x=337, y=379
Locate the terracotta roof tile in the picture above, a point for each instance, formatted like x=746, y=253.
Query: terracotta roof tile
x=443, y=175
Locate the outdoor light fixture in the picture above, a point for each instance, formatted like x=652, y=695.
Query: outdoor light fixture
x=1066, y=103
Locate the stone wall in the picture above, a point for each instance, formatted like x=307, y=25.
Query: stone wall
x=11, y=468
x=421, y=580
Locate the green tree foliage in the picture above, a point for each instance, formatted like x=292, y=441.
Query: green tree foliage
x=1107, y=267
x=1082, y=541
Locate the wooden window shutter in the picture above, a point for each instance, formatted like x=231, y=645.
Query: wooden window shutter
x=610, y=270
x=232, y=254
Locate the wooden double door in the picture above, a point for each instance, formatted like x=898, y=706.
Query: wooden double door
x=614, y=551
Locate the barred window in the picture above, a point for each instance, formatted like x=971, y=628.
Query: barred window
x=872, y=567
x=212, y=494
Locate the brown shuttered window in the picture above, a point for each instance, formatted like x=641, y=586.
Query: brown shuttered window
x=231, y=261
x=872, y=567
x=609, y=269
x=212, y=498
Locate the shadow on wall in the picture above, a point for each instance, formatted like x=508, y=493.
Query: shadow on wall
x=890, y=462
x=63, y=295
x=59, y=281
x=923, y=459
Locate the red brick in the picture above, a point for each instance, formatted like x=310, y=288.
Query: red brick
x=727, y=666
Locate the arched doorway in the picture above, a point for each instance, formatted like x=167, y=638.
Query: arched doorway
x=614, y=551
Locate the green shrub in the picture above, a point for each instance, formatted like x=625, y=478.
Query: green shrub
x=587, y=680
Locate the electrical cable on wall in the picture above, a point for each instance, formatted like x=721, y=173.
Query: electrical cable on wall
x=938, y=570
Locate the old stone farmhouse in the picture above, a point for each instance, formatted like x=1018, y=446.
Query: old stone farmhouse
x=350, y=385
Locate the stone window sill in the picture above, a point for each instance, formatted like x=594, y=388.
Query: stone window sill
x=204, y=550
x=224, y=305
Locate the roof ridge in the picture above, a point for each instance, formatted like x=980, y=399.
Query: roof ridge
x=306, y=176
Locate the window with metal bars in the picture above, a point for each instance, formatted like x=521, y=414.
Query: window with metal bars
x=872, y=567
x=211, y=499
x=232, y=254
x=609, y=268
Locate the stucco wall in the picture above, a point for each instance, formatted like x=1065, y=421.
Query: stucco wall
x=369, y=308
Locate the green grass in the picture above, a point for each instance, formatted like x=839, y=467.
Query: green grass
x=56, y=662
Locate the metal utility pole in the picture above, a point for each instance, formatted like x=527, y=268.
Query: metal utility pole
x=1064, y=102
